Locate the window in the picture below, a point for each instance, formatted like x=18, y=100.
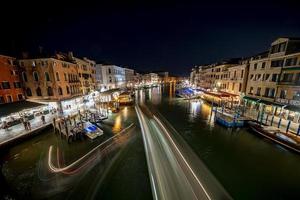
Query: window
x=9, y=99
x=267, y=76
x=109, y=70
x=287, y=77
x=272, y=92
x=240, y=87
x=35, y=76
x=28, y=92
x=68, y=90
x=110, y=79
x=49, y=91
x=296, y=95
x=258, y=76
x=291, y=61
x=1, y=99
x=263, y=65
x=39, y=92
x=57, y=76
x=277, y=63
x=60, y=92
x=47, y=77
x=5, y=85
x=251, y=90
x=267, y=90
x=274, y=77
x=65, y=75
x=20, y=97
x=283, y=94
x=278, y=47
x=297, y=78
x=251, y=76
x=242, y=74
x=17, y=84
x=258, y=91
x=24, y=76
x=255, y=66
x=233, y=86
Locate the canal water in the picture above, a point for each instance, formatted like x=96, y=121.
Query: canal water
x=248, y=166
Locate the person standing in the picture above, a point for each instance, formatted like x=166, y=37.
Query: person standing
x=29, y=125
x=43, y=119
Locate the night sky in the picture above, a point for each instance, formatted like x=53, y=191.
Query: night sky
x=171, y=36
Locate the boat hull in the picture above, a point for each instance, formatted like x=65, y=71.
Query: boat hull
x=258, y=130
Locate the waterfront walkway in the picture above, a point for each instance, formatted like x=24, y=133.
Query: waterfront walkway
x=18, y=131
x=267, y=119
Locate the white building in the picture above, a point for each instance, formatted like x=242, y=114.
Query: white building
x=110, y=77
x=129, y=77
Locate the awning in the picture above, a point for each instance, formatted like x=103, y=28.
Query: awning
x=220, y=95
x=291, y=68
x=292, y=108
x=263, y=101
x=109, y=92
x=9, y=108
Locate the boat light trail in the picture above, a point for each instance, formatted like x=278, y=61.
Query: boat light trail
x=66, y=168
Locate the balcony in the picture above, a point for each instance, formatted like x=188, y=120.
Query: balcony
x=289, y=83
x=288, y=101
x=74, y=81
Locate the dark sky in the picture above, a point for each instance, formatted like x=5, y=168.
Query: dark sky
x=149, y=35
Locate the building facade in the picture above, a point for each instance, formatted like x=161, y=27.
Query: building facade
x=10, y=83
x=110, y=77
x=150, y=78
x=51, y=78
x=87, y=75
x=129, y=77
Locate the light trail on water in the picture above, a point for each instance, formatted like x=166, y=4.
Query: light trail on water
x=171, y=173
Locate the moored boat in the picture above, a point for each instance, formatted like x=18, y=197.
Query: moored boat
x=287, y=140
x=92, y=131
x=228, y=120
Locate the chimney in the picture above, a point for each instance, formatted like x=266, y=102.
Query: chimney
x=40, y=50
x=70, y=55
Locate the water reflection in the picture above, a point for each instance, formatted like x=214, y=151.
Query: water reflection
x=156, y=95
x=117, y=125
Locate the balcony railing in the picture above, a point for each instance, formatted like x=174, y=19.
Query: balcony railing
x=288, y=101
x=289, y=83
x=74, y=81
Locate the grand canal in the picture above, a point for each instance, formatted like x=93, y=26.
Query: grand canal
x=248, y=167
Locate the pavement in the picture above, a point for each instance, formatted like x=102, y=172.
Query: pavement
x=267, y=118
x=18, y=130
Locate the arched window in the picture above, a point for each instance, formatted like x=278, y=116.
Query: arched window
x=60, y=92
x=57, y=76
x=68, y=90
x=24, y=76
x=35, y=76
x=39, y=92
x=47, y=77
x=28, y=92
x=49, y=91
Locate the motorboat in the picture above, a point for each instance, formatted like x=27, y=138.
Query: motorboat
x=228, y=120
x=91, y=131
x=287, y=140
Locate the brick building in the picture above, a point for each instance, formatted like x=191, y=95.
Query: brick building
x=10, y=85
